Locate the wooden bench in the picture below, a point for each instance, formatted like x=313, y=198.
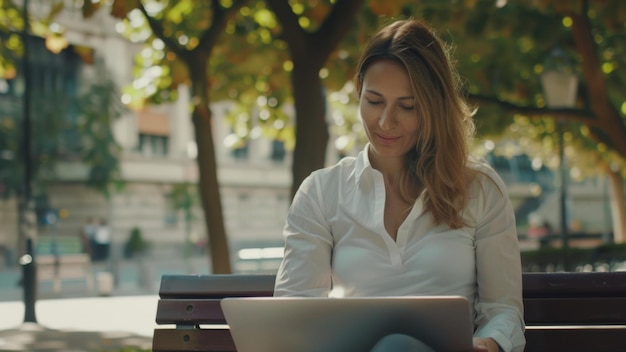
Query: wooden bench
x=563, y=311
x=60, y=258
x=57, y=268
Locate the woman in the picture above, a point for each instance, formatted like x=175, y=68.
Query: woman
x=413, y=213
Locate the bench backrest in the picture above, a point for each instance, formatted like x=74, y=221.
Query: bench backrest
x=563, y=311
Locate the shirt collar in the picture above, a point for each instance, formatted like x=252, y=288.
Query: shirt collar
x=362, y=163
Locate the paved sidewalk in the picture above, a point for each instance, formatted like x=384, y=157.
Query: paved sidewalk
x=79, y=320
x=79, y=324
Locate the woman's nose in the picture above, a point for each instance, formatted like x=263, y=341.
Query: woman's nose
x=387, y=118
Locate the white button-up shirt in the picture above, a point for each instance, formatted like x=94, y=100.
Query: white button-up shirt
x=335, y=239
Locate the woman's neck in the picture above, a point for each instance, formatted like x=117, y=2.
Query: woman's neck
x=391, y=168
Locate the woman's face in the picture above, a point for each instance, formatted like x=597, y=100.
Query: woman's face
x=387, y=107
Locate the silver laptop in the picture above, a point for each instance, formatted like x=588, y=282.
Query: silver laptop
x=299, y=324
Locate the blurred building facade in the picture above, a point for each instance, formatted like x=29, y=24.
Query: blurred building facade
x=158, y=153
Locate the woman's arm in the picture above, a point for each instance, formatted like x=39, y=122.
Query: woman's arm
x=499, y=304
x=306, y=266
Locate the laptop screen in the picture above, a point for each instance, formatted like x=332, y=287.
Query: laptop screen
x=305, y=324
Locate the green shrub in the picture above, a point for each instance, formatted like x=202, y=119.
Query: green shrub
x=135, y=244
x=558, y=259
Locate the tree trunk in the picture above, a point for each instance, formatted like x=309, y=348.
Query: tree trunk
x=217, y=244
x=311, y=127
x=613, y=131
x=309, y=52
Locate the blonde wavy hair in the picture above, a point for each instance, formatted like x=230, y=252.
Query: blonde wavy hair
x=439, y=161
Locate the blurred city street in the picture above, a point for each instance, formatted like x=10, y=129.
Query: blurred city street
x=77, y=319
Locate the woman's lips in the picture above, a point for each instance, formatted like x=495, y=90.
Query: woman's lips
x=387, y=139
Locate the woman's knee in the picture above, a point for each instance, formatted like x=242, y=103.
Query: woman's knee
x=400, y=343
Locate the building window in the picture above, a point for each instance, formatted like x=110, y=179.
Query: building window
x=278, y=151
x=53, y=86
x=152, y=145
x=154, y=130
x=240, y=153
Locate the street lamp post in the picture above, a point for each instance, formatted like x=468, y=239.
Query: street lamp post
x=27, y=224
x=560, y=89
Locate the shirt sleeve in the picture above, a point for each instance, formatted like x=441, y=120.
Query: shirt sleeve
x=499, y=305
x=306, y=266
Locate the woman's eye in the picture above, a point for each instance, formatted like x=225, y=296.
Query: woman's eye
x=374, y=102
x=407, y=107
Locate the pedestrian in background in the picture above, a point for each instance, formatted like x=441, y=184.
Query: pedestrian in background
x=87, y=235
x=102, y=241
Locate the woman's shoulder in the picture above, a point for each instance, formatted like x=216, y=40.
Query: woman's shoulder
x=324, y=185
x=332, y=175
x=346, y=164
x=479, y=164
x=484, y=174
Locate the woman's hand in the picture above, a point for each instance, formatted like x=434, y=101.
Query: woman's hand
x=485, y=345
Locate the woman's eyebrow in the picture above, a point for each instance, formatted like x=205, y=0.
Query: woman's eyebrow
x=373, y=92
x=380, y=95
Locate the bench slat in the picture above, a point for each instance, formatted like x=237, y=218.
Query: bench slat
x=197, y=340
x=537, y=311
x=189, y=311
x=553, y=302
x=216, y=286
x=576, y=340
x=568, y=339
x=556, y=311
x=537, y=285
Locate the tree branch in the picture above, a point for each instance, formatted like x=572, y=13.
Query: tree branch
x=208, y=39
x=292, y=33
x=583, y=116
x=325, y=39
x=159, y=32
x=335, y=26
x=606, y=114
